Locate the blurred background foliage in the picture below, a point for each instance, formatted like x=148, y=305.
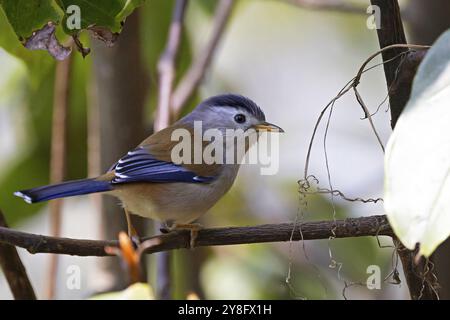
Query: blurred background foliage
x=292, y=61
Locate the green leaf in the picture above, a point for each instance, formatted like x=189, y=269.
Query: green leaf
x=102, y=13
x=128, y=8
x=34, y=21
x=137, y=291
x=417, y=161
x=27, y=16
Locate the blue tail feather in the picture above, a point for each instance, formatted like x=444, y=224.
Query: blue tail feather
x=62, y=190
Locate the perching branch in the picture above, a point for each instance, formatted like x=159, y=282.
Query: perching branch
x=351, y=227
x=14, y=270
x=196, y=71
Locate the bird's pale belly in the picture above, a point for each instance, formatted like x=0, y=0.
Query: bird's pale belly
x=175, y=202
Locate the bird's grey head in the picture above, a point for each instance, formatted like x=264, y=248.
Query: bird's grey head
x=230, y=111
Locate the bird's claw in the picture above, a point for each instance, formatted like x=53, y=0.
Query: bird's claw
x=164, y=230
x=136, y=240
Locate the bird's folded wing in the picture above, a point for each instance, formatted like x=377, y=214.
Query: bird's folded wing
x=161, y=143
x=141, y=166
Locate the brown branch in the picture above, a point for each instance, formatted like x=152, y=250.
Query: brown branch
x=351, y=227
x=58, y=156
x=418, y=276
x=14, y=270
x=406, y=71
x=422, y=283
x=329, y=5
x=166, y=66
x=191, y=80
x=391, y=32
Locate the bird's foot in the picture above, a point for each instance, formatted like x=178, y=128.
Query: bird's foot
x=133, y=235
x=194, y=228
x=136, y=241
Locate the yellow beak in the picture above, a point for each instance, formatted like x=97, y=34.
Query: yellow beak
x=266, y=126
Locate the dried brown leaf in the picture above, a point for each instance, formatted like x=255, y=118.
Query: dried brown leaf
x=45, y=39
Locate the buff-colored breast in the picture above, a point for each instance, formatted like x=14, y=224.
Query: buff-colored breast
x=175, y=202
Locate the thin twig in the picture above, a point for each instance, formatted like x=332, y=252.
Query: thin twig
x=166, y=65
x=58, y=157
x=368, y=116
x=357, y=79
x=353, y=83
x=14, y=270
x=191, y=80
x=351, y=227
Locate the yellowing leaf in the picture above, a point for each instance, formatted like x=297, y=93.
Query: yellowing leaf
x=137, y=291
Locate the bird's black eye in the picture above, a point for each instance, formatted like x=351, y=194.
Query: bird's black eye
x=239, y=118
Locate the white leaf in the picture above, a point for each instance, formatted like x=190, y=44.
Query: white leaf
x=417, y=160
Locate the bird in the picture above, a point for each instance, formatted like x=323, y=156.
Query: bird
x=150, y=184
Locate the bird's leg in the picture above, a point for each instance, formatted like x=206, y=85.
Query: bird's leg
x=132, y=233
x=194, y=228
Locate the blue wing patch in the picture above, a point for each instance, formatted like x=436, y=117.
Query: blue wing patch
x=140, y=166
